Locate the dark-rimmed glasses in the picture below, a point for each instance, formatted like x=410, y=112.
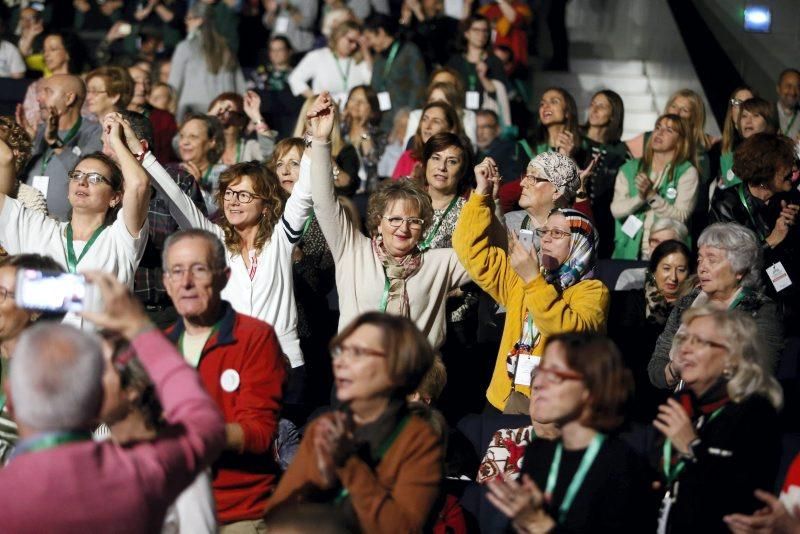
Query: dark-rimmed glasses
x=243, y=197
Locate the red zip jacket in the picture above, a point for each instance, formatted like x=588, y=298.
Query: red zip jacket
x=242, y=368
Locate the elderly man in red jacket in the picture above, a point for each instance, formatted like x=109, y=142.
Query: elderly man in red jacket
x=59, y=479
x=242, y=366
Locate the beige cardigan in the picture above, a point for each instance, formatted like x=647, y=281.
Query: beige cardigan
x=359, y=274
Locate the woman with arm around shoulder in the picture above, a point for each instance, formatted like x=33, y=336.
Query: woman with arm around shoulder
x=721, y=434
x=387, y=271
x=729, y=277
x=587, y=479
x=546, y=291
x=664, y=183
x=381, y=465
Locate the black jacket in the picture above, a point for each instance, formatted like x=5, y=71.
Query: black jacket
x=739, y=451
x=727, y=206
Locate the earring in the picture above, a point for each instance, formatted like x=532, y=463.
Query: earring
x=727, y=372
x=379, y=238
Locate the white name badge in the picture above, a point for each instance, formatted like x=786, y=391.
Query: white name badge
x=77, y=151
x=632, y=226
x=526, y=364
x=281, y=24
x=473, y=100
x=229, y=380
x=384, y=101
x=777, y=274
x=40, y=183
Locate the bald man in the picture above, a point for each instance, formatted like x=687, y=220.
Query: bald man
x=61, y=139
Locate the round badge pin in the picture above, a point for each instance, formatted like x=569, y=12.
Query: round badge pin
x=229, y=380
x=672, y=193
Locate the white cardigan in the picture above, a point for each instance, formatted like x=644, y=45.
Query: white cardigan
x=270, y=295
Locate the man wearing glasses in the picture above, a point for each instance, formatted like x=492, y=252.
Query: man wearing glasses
x=241, y=365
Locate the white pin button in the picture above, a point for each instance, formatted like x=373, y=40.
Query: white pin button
x=229, y=380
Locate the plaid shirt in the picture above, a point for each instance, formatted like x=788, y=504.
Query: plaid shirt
x=147, y=282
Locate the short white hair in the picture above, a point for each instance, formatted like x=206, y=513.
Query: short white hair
x=665, y=223
x=741, y=247
x=56, y=378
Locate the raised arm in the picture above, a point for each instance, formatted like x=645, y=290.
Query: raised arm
x=136, y=196
x=477, y=238
x=339, y=232
x=173, y=460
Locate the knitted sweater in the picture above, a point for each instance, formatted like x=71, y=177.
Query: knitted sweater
x=582, y=307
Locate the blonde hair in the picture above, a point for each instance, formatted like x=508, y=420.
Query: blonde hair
x=748, y=358
x=696, y=124
x=337, y=141
x=398, y=190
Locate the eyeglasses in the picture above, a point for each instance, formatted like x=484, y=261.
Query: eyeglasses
x=93, y=178
x=199, y=272
x=414, y=223
x=535, y=179
x=555, y=376
x=692, y=339
x=5, y=293
x=735, y=102
x=355, y=352
x=243, y=197
x=555, y=233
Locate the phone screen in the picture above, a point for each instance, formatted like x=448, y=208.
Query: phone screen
x=51, y=291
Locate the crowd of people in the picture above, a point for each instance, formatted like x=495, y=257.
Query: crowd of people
x=318, y=241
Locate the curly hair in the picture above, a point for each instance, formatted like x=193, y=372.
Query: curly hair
x=17, y=140
x=267, y=187
x=399, y=190
x=760, y=157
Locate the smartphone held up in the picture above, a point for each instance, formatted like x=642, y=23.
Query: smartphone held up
x=54, y=292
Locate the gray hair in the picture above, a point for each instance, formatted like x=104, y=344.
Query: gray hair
x=56, y=378
x=748, y=359
x=681, y=232
x=218, y=254
x=741, y=248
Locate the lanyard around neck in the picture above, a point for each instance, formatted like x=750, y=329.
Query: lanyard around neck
x=72, y=261
x=670, y=472
x=392, y=54
x=577, y=480
x=52, y=440
x=791, y=123
x=426, y=244
x=385, y=297
x=749, y=210
x=49, y=152
x=345, y=74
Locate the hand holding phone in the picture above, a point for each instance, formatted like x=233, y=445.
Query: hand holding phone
x=53, y=292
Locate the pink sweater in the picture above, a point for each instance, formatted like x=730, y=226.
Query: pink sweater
x=92, y=486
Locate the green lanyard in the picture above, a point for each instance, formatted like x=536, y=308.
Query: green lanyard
x=72, y=261
x=749, y=210
x=392, y=54
x=344, y=74
x=473, y=82
x=307, y=224
x=49, y=152
x=791, y=123
x=673, y=473
x=52, y=440
x=426, y=244
x=2, y=401
x=385, y=298
x=742, y=294
x=577, y=480
x=380, y=453
x=527, y=148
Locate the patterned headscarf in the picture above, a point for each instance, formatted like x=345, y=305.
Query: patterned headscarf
x=581, y=260
x=560, y=170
